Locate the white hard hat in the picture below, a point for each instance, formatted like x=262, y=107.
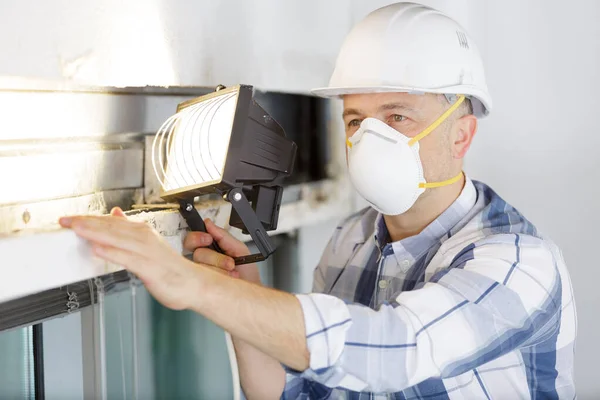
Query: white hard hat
x=408, y=47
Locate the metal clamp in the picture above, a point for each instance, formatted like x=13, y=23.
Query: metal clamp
x=73, y=302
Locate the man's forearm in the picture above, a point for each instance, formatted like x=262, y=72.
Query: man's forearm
x=268, y=381
x=270, y=320
x=261, y=376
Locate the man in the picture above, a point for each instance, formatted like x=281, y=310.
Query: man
x=440, y=289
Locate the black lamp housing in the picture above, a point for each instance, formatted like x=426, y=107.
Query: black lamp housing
x=258, y=158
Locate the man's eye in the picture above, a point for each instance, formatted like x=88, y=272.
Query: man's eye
x=398, y=118
x=354, y=123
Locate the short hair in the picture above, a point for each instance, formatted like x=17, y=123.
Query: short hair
x=466, y=108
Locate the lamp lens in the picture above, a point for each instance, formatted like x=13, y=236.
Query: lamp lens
x=196, y=143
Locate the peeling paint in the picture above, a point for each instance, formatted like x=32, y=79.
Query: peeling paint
x=69, y=68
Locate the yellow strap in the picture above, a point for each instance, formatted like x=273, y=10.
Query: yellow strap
x=438, y=121
x=431, y=185
x=348, y=143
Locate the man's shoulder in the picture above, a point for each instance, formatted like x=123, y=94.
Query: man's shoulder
x=494, y=222
x=495, y=215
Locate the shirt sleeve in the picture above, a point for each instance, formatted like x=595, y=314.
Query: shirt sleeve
x=297, y=386
x=498, y=295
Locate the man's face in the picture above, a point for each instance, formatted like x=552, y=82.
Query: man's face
x=441, y=151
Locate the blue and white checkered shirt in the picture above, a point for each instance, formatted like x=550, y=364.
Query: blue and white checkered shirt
x=479, y=305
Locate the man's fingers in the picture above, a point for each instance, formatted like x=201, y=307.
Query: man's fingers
x=117, y=212
x=124, y=258
x=228, y=243
x=216, y=231
x=193, y=240
x=211, y=257
x=112, y=231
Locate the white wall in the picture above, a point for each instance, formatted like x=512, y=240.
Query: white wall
x=272, y=44
x=538, y=149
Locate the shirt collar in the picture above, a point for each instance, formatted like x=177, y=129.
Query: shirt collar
x=417, y=245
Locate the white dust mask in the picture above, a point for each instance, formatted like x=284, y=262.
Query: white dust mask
x=385, y=167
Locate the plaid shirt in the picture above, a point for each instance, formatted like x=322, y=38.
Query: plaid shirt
x=479, y=305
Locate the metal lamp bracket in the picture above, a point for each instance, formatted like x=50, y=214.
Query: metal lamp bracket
x=242, y=206
x=255, y=228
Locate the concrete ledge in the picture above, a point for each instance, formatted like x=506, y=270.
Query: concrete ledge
x=32, y=261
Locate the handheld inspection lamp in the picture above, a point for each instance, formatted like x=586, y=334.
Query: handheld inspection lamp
x=226, y=143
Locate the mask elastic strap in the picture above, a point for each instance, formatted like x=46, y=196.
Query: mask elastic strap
x=438, y=121
x=431, y=185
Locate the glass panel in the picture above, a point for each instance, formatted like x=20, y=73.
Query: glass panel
x=70, y=360
x=121, y=347
x=63, y=363
x=16, y=364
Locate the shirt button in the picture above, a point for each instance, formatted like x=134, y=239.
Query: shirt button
x=383, y=284
x=405, y=264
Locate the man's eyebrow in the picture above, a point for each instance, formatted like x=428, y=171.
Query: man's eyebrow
x=397, y=106
x=350, y=111
x=385, y=107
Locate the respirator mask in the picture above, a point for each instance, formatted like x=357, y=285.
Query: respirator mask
x=385, y=167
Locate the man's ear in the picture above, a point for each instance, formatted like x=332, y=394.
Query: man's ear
x=464, y=132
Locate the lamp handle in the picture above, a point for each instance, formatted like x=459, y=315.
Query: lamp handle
x=195, y=221
x=196, y=224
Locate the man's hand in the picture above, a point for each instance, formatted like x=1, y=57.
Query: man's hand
x=197, y=242
x=269, y=320
x=139, y=248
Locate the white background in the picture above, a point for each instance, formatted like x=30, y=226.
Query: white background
x=538, y=149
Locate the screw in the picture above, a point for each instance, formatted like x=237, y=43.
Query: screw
x=188, y=208
x=237, y=196
x=26, y=217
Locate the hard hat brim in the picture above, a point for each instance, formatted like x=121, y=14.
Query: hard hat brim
x=479, y=110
